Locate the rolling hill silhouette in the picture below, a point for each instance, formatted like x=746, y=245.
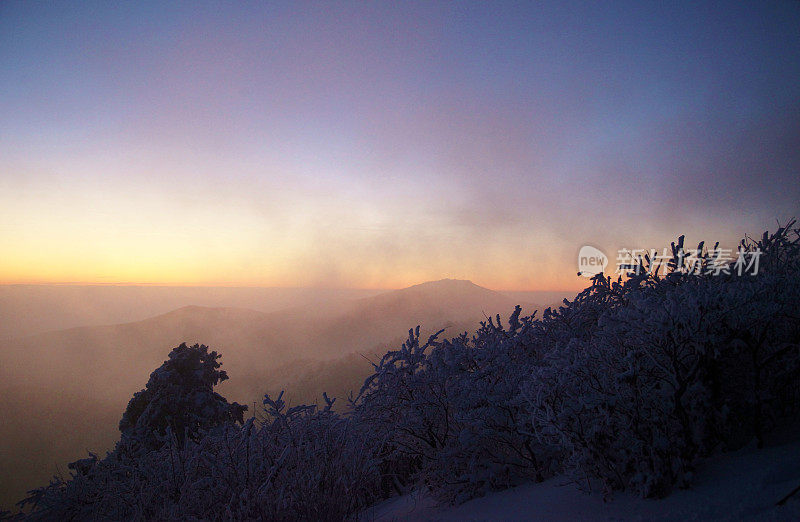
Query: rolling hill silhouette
x=63, y=392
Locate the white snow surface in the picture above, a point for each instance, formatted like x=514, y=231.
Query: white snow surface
x=741, y=485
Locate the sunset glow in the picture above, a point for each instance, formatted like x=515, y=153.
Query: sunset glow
x=343, y=145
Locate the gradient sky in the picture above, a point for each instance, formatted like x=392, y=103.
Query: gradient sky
x=382, y=145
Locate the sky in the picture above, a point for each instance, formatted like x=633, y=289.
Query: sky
x=379, y=145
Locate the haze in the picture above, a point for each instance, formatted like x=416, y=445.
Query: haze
x=297, y=184
x=62, y=392
x=378, y=146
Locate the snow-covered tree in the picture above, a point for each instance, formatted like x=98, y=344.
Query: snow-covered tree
x=624, y=387
x=179, y=399
x=675, y=366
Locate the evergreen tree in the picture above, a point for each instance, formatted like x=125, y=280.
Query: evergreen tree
x=179, y=400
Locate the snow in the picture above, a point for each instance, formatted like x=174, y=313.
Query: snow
x=743, y=485
x=623, y=388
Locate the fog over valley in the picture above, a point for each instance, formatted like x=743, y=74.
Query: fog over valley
x=379, y=261
x=63, y=390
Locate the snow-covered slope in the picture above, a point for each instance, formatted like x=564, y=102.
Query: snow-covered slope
x=744, y=485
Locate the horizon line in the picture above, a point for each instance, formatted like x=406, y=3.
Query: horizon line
x=253, y=286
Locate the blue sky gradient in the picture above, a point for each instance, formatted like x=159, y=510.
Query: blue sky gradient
x=343, y=144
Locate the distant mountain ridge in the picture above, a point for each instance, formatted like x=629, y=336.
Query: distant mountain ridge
x=73, y=384
x=445, y=293
x=33, y=309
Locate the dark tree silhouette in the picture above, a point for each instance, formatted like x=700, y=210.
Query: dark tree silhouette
x=179, y=400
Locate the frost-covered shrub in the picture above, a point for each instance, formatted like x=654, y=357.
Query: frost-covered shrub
x=410, y=427
x=494, y=447
x=756, y=381
x=180, y=399
x=625, y=387
x=300, y=463
x=675, y=366
x=449, y=415
x=627, y=405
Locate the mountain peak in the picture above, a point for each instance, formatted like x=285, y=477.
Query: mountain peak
x=447, y=283
x=444, y=294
